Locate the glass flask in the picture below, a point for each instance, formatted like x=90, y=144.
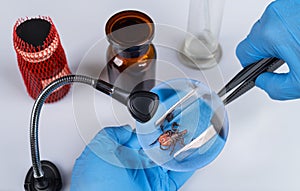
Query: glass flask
x=131, y=56
x=200, y=120
x=201, y=45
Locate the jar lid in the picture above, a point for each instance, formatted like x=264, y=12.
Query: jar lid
x=34, y=31
x=35, y=39
x=129, y=28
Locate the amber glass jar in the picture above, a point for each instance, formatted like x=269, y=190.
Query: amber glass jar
x=131, y=56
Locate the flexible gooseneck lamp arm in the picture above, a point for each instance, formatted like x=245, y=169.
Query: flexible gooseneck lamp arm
x=45, y=175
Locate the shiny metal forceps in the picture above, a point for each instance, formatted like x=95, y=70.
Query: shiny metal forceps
x=247, y=76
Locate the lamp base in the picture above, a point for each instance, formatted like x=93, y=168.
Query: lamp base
x=51, y=180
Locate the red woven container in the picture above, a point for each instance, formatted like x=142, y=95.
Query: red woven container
x=41, y=57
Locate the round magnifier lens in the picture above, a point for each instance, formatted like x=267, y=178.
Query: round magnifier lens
x=189, y=129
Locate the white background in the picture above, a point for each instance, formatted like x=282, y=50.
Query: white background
x=262, y=149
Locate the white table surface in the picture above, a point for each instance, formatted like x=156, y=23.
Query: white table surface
x=261, y=152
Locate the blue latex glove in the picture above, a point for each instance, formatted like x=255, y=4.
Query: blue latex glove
x=114, y=160
x=276, y=34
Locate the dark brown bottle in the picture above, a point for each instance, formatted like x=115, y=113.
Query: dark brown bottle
x=131, y=56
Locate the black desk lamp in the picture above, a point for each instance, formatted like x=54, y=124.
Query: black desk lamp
x=44, y=175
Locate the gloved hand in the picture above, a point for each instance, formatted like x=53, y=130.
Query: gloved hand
x=276, y=34
x=114, y=160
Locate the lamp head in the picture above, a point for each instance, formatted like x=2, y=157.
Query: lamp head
x=142, y=105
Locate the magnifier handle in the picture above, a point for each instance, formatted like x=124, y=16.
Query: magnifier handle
x=115, y=92
x=141, y=104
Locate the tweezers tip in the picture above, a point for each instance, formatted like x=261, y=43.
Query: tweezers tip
x=222, y=92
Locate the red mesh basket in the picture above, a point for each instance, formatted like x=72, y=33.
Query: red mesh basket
x=41, y=57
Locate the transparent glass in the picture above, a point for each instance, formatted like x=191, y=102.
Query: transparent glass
x=201, y=117
x=201, y=45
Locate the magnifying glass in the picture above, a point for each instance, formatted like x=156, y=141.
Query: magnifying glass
x=188, y=109
x=190, y=127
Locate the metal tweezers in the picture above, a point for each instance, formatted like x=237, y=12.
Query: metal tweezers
x=247, y=76
x=242, y=82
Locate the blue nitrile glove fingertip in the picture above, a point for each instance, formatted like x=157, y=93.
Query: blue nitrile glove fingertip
x=107, y=141
x=247, y=53
x=261, y=81
x=265, y=82
x=120, y=134
x=241, y=53
x=278, y=86
x=133, y=141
